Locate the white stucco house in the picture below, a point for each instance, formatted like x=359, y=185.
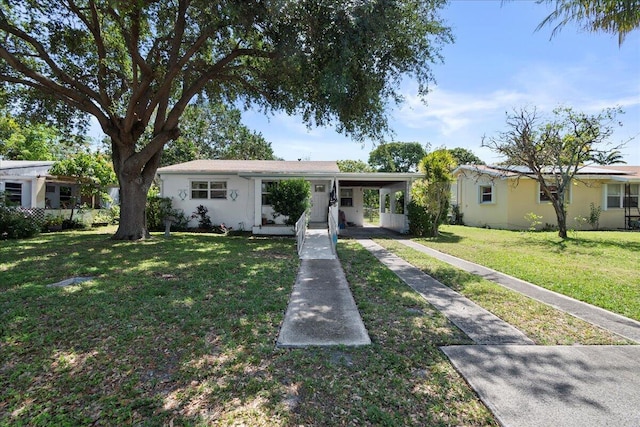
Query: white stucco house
x=236, y=192
x=28, y=184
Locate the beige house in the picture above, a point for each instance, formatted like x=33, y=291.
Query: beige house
x=490, y=196
x=236, y=192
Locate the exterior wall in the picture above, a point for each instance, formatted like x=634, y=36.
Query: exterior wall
x=610, y=218
x=238, y=213
x=514, y=199
x=476, y=214
x=355, y=213
x=388, y=218
x=32, y=195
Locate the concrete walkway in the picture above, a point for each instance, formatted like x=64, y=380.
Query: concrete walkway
x=321, y=310
x=528, y=385
x=479, y=324
x=613, y=322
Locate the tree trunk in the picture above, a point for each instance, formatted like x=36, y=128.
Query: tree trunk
x=133, y=213
x=561, y=216
x=135, y=177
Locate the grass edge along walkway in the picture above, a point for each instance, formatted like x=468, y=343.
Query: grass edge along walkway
x=616, y=323
x=541, y=322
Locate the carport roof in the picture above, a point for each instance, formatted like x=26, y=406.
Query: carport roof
x=375, y=179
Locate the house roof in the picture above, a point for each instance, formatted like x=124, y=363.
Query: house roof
x=252, y=166
x=23, y=164
x=618, y=172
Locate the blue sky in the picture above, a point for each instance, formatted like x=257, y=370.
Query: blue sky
x=497, y=63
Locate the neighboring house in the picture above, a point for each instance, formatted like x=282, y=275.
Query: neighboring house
x=490, y=196
x=28, y=184
x=236, y=192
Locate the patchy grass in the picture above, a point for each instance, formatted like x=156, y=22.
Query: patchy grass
x=601, y=268
x=181, y=331
x=542, y=323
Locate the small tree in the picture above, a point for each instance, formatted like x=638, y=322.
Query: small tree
x=553, y=152
x=430, y=197
x=290, y=198
x=94, y=172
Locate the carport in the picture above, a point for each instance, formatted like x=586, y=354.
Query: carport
x=394, y=193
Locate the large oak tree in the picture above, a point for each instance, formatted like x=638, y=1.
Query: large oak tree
x=136, y=65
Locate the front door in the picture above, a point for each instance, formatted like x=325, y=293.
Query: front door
x=319, y=201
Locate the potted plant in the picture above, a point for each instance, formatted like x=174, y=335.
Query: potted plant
x=53, y=223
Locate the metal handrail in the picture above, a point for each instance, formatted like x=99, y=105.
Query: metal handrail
x=301, y=231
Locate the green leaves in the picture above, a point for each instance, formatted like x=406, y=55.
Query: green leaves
x=290, y=198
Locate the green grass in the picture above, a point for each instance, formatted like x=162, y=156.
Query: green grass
x=540, y=322
x=182, y=331
x=601, y=268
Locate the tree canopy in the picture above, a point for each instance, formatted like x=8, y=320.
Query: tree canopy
x=610, y=16
x=553, y=151
x=215, y=131
x=354, y=166
x=465, y=157
x=397, y=156
x=136, y=65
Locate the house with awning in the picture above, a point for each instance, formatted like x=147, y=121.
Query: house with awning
x=237, y=192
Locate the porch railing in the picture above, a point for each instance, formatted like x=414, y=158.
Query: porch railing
x=301, y=230
x=333, y=233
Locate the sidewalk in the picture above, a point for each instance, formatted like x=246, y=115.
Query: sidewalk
x=529, y=385
x=321, y=310
x=623, y=326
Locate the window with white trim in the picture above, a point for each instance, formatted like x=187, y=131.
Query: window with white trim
x=616, y=196
x=13, y=192
x=346, y=197
x=267, y=186
x=485, y=193
x=543, y=197
x=208, y=189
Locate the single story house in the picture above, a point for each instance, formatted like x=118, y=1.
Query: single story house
x=236, y=192
x=28, y=184
x=498, y=197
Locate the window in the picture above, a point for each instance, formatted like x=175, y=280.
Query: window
x=66, y=197
x=13, y=192
x=267, y=186
x=553, y=189
x=208, y=189
x=486, y=194
x=319, y=188
x=616, y=196
x=346, y=197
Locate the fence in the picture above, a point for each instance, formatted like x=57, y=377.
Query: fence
x=301, y=230
x=36, y=213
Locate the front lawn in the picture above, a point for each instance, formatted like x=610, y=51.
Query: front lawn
x=182, y=331
x=601, y=268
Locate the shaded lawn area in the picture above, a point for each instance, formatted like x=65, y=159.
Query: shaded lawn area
x=181, y=331
x=598, y=267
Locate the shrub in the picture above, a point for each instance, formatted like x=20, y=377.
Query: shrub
x=158, y=208
x=15, y=224
x=204, y=220
x=421, y=222
x=534, y=220
x=290, y=198
x=594, y=216
x=456, y=215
